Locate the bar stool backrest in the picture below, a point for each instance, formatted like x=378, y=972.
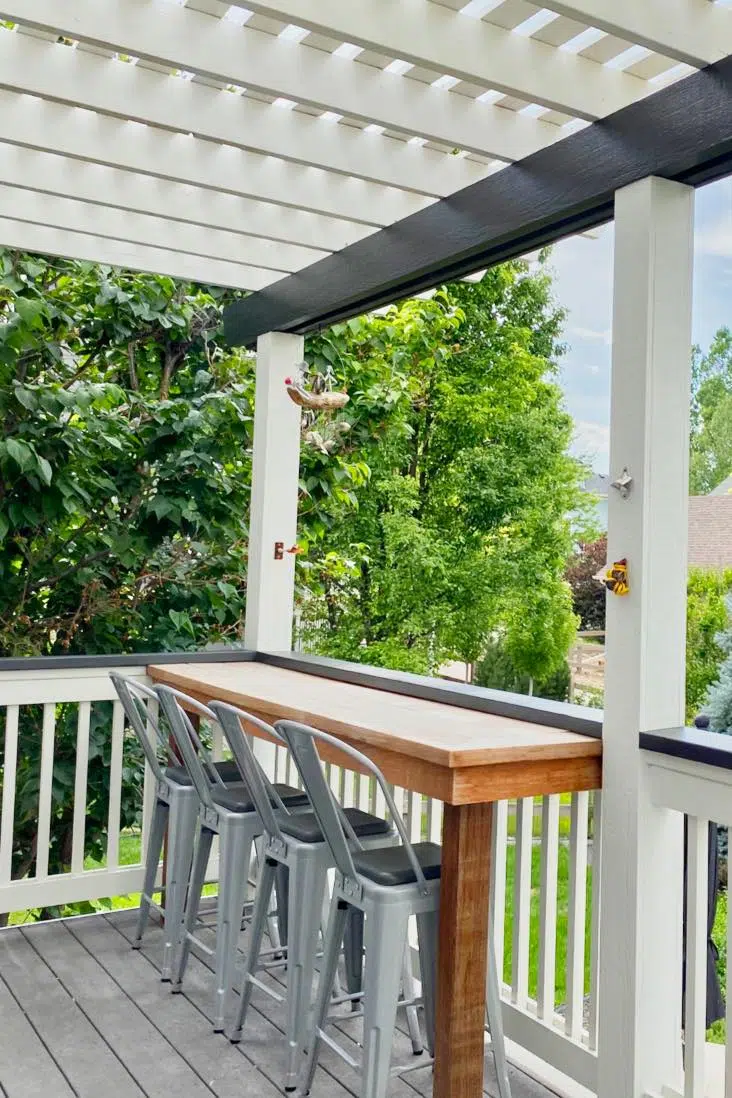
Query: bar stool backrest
x=266, y=798
x=198, y=764
x=302, y=741
x=134, y=696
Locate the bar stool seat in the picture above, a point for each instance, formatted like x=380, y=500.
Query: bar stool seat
x=227, y=771
x=306, y=828
x=390, y=865
x=237, y=798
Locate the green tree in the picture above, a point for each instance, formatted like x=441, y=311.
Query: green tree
x=706, y=620
x=496, y=671
x=462, y=530
x=124, y=462
x=711, y=415
x=588, y=595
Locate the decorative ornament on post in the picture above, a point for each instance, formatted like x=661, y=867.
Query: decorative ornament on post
x=315, y=401
x=615, y=577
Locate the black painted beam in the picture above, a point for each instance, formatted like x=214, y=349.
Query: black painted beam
x=683, y=132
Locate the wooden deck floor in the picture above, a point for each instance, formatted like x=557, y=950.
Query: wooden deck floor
x=83, y=1016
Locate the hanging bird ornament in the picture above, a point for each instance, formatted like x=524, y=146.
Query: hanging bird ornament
x=317, y=398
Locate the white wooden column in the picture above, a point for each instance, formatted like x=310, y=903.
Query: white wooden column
x=642, y=869
x=273, y=515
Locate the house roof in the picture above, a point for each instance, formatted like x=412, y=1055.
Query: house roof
x=722, y=489
x=710, y=532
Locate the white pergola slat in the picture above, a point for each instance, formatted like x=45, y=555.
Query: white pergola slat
x=246, y=141
x=100, y=139
x=121, y=90
x=431, y=35
x=191, y=41
x=158, y=232
x=52, y=174
x=95, y=249
x=696, y=32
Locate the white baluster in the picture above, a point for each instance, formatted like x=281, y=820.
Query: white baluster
x=548, y=907
x=80, y=787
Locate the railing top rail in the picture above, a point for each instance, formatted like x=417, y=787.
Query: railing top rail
x=552, y=714
x=692, y=744
x=128, y=659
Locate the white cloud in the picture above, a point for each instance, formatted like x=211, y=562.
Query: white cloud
x=715, y=239
x=604, y=336
x=592, y=442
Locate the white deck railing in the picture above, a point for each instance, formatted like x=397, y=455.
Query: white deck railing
x=543, y=857
x=702, y=793
x=33, y=698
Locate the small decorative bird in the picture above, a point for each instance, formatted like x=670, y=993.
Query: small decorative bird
x=319, y=402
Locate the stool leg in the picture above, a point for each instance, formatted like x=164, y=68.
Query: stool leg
x=386, y=933
x=267, y=874
x=495, y=1024
x=198, y=877
x=152, y=861
x=306, y=888
x=234, y=855
x=427, y=928
x=283, y=910
x=353, y=953
x=328, y=969
x=181, y=838
x=409, y=992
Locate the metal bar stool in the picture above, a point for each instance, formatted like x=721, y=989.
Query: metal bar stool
x=176, y=807
x=295, y=842
x=388, y=885
x=229, y=813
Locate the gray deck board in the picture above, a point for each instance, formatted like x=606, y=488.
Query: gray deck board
x=27, y=1069
x=85, y=1015
x=226, y=1071
x=80, y=1051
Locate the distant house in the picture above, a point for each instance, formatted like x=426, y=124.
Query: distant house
x=723, y=489
x=710, y=530
x=710, y=522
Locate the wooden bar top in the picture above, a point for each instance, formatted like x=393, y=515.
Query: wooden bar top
x=459, y=755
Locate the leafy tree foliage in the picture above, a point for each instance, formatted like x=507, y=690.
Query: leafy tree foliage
x=124, y=467
x=711, y=415
x=588, y=596
x=462, y=530
x=708, y=642
x=496, y=671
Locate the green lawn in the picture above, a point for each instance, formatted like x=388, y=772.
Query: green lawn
x=718, y=1032
x=562, y=914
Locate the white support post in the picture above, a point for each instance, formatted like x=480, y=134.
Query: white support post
x=273, y=515
x=642, y=868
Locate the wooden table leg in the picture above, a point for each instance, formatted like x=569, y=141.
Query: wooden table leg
x=463, y=947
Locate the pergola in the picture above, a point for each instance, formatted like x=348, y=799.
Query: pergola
x=330, y=157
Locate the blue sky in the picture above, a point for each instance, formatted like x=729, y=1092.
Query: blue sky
x=583, y=286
